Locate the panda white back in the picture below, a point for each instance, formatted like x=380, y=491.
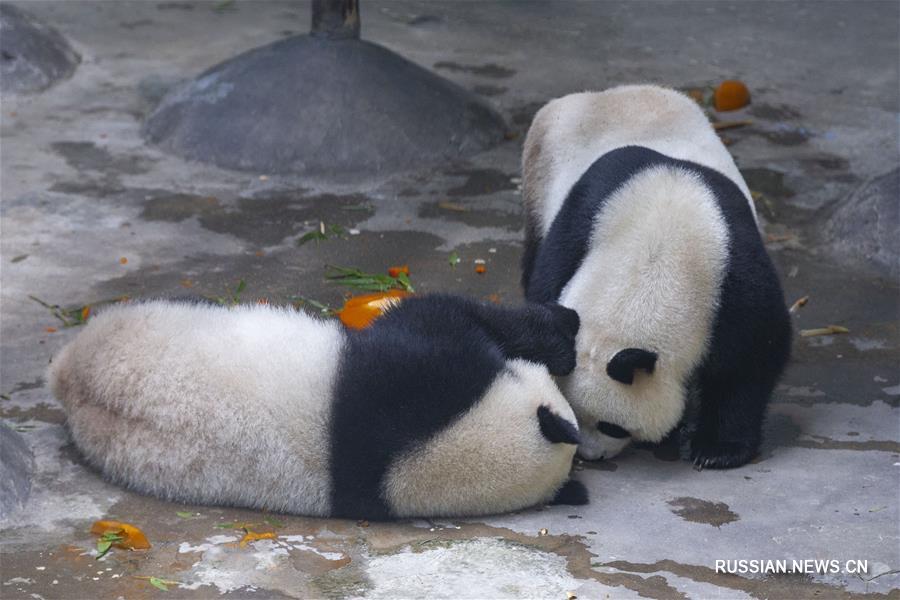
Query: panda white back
x=203, y=404
x=568, y=134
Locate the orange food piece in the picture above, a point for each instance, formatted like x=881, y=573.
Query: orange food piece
x=395, y=271
x=360, y=311
x=133, y=538
x=85, y=313
x=123, y=261
x=731, y=95
x=252, y=536
x=480, y=269
x=50, y=329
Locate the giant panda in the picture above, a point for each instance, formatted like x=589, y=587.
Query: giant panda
x=638, y=218
x=444, y=407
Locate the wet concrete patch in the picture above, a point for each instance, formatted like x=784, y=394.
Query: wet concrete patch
x=772, y=112
x=490, y=70
x=784, y=134
x=175, y=207
x=770, y=183
x=92, y=188
x=470, y=216
x=42, y=411
x=480, y=182
x=696, y=510
x=24, y=386
x=263, y=221
x=489, y=90
x=87, y=156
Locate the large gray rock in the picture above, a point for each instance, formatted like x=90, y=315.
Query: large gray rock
x=339, y=108
x=865, y=228
x=16, y=471
x=33, y=56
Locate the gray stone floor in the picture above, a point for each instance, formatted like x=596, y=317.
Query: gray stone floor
x=80, y=190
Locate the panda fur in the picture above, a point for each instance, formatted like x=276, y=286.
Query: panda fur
x=638, y=218
x=442, y=408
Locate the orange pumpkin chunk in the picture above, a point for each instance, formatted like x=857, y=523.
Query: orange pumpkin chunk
x=132, y=537
x=731, y=95
x=360, y=311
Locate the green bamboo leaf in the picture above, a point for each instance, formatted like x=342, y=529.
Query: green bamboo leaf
x=159, y=583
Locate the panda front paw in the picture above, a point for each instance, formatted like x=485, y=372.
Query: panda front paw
x=710, y=454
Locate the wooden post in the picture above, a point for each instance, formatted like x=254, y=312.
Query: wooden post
x=335, y=19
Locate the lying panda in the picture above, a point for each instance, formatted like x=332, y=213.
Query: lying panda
x=637, y=217
x=444, y=407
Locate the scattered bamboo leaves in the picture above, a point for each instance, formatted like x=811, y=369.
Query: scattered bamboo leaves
x=106, y=542
x=19, y=258
x=233, y=298
x=322, y=233
x=318, y=307
x=367, y=282
x=187, y=515
x=158, y=582
x=73, y=316
x=24, y=428
x=274, y=522
x=828, y=330
x=454, y=259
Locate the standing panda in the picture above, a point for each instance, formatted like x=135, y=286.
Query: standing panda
x=444, y=407
x=637, y=218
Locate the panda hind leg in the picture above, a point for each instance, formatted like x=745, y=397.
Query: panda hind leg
x=572, y=493
x=729, y=427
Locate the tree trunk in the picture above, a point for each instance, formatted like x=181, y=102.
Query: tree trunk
x=335, y=19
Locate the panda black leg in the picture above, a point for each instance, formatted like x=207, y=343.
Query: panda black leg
x=572, y=493
x=730, y=424
x=536, y=332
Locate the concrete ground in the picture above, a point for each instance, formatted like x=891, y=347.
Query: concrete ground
x=90, y=213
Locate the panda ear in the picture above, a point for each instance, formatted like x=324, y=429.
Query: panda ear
x=556, y=429
x=622, y=366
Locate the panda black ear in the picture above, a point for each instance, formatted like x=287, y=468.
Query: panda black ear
x=556, y=429
x=622, y=366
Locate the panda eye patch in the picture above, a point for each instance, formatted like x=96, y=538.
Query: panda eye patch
x=607, y=428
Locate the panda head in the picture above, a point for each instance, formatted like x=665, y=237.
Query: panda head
x=512, y=449
x=620, y=400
